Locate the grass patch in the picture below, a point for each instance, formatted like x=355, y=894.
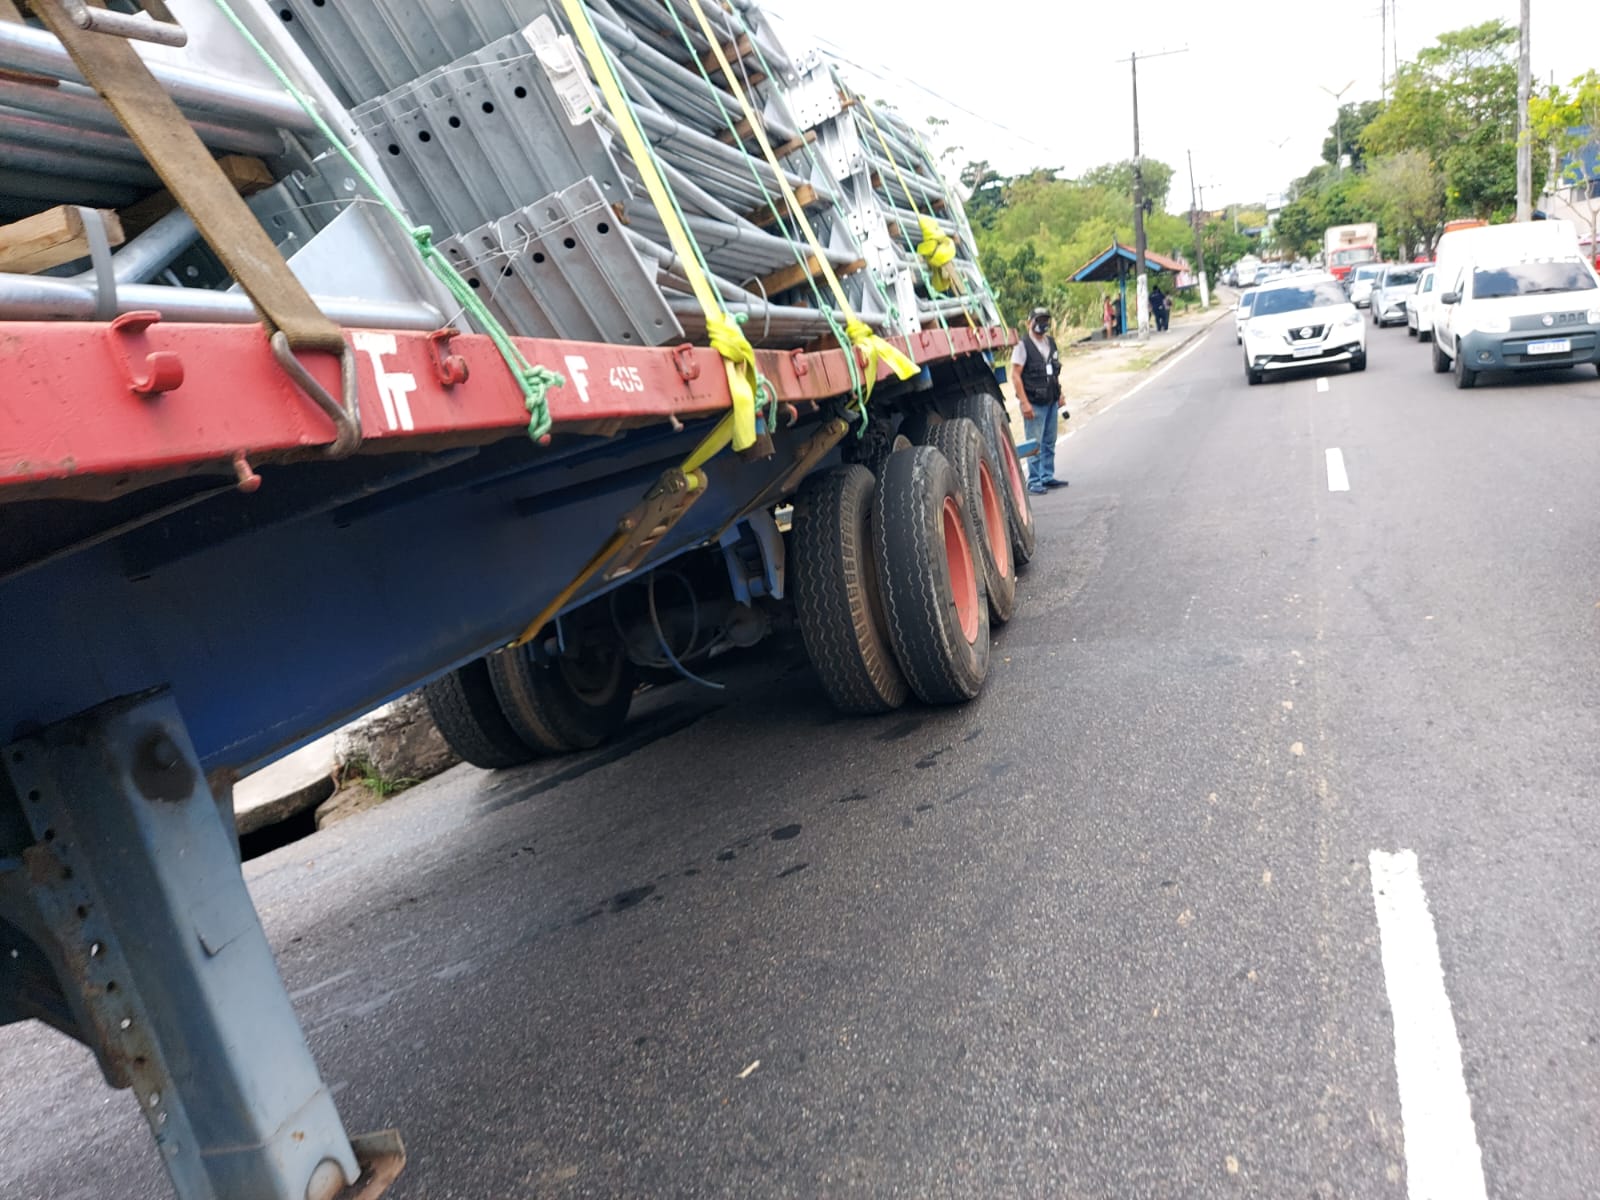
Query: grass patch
x=360, y=771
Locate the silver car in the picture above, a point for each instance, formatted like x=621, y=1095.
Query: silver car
x=1359, y=283
x=1392, y=291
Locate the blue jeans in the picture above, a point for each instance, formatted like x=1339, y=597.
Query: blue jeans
x=1041, y=428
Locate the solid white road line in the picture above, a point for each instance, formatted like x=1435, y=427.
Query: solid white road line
x=1322, y=383
x=1338, y=481
x=1200, y=340
x=1443, y=1159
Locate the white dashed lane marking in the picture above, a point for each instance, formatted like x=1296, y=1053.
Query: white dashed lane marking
x=1322, y=383
x=1443, y=1159
x=1338, y=480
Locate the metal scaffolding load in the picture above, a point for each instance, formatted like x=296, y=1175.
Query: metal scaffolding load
x=721, y=176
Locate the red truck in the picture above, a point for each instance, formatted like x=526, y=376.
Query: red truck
x=1348, y=246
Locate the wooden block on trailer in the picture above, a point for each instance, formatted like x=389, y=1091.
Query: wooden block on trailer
x=805, y=193
x=49, y=239
x=248, y=176
x=782, y=281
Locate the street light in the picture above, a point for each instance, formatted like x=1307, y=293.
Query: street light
x=1338, y=126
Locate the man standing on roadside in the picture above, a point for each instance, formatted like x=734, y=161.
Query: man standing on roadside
x=1036, y=380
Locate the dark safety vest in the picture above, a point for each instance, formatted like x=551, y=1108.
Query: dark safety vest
x=1041, y=376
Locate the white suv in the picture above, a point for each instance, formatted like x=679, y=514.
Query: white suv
x=1303, y=321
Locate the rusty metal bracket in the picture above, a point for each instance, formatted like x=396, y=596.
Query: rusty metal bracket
x=683, y=358
x=346, y=413
x=449, y=369
x=381, y=1157
x=812, y=451
x=158, y=370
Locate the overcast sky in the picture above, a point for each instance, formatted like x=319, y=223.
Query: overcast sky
x=1048, y=90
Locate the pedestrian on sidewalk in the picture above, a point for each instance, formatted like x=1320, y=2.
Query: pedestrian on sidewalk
x=1036, y=380
x=1161, y=307
x=1108, y=315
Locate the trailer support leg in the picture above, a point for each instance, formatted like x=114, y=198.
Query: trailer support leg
x=128, y=891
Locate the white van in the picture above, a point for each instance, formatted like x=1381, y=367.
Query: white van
x=1512, y=311
x=1484, y=243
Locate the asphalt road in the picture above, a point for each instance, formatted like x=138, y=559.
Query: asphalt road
x=1110, y=931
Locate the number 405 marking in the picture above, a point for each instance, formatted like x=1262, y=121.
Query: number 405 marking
x=626, y=379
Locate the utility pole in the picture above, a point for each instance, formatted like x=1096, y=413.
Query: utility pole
x=1195, y=218
x=1140, y=246
x=1524, y=133
x=1383, y=55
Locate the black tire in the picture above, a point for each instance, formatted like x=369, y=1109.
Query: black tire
x=1411, y=330
x=1441, y=360
x=834, y=575
x=1466, y=377
x=561, y=705
x=1424, y=335
x=1358, y=362
x=464, y=707
x=940, y=634
x=985, y=411
x=880, y=455
x=979, y=476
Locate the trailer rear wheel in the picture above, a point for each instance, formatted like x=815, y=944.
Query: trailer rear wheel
x=989, y=415
x=837, y=603
x=933, y=593
x=464, y=707
x=969, y=454
x=560, y=704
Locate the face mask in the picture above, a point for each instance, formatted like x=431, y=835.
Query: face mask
x=1040, y=328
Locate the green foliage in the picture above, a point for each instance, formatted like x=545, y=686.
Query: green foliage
x=1118, y=178
x=380, y=785
x=1036, y=230
x=1322, y=199
x=1350, y=131
x=1408, y=193
x=1444, y=144
x=1569, y=123
x=1457, y=104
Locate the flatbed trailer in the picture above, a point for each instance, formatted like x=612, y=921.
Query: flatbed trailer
x=214, y=549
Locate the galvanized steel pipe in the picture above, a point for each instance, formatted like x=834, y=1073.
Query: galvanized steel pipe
x=85, y=110
x=40, y=298
x=23, y=48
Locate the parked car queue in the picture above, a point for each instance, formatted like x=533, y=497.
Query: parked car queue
x=1498, y=299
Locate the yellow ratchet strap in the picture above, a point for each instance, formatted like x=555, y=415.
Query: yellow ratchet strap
x=710, y=446
x=937, y=248
x=858, y=331
x=739, y=356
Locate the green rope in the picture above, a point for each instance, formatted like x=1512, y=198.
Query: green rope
x=790, y=232
x=534, y=381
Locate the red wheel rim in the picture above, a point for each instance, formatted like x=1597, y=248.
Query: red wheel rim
x=1014, y=475
x=963, y=576
x=994, y=521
